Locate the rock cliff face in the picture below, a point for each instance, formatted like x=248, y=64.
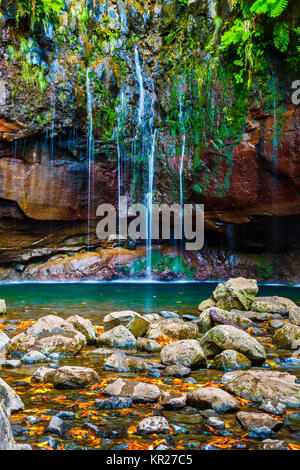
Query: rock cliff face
x=85, y=102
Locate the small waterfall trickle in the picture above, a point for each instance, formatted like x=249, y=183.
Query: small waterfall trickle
x=181, y=195
x=144, y=148
x=275, y=182
x=90, y=152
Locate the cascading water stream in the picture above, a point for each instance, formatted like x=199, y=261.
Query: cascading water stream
x=90, y=152
x=145, y=142
x=181, y=196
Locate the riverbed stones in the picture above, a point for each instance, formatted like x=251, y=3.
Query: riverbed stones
x=276, y=407
x=85, y=327
x=173, y=328
x=288, y=336
x=50, y=334
x=13, y=401
x=118, y=337
x=133, y=321
x=70, y=377
x=214, y=316
x=149, y=345
x=56, y=426
x=258, y=385
x=236, y=293
x=230, y=360
x=224, y=337
x=173, y=401
x=186, y=353
x=215, y=422
x=122, y=363
x=273, y=304
x=113, y=403
x=167, y=314
x=4, y=340
x=177, y=371
x=212, y=398
x=140, y=392
x=32, y=357
x=2, y=307
x=153, y=425
x=252, y=420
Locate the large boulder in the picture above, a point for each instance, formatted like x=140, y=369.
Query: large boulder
x=258, y=385
x=212, y=398
x=294, y=316
x=230, y=360
x=4, y=340
x=118, y=337
x=214, y=316
x=13, y=401
x=140, y=392
x=50, y=334
x=173, y=328
x=7, y=441
x=122, y=363
x=253, y=420
x=69, y=377
x=154, y=424
x=133, y=321
x=273, y=305
x=224, y=337
x=186, y=353
x=236, y=293
x=288, y=336
x=85, y=327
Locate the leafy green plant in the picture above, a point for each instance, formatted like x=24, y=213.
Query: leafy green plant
x=38, y=10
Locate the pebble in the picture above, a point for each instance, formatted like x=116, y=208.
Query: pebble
x=56, y=426
x=167, y=314
x=11, y=364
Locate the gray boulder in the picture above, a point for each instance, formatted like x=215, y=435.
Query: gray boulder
x=69, y=377
x=273, y=304
x=85, y=327
x=4, y=340
x=288, y=336
x=212, y=398
x=174, y=328
x=149, y=345
x=186, y=353
x=13, y=401
x=153, y=425
x=133, y=321
x=140, y=392
x=224, y=337
x=236, y=293
x=118, y=337
x=230, y=360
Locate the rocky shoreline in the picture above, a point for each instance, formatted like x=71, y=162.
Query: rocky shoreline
x=149, y=373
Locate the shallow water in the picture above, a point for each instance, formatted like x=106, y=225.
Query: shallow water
x=28, y=302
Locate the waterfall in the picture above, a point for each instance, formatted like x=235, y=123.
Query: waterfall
x=120, y=150
x=181, y=198
x=144, y=146
x=90, y=150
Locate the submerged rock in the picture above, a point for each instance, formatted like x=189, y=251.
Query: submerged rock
x=230, y=360
x=260, y=433
x=237, y=293
x=138, y=391
x=167, y=314
x=224, y=337
x=50, y=334
x=276, y=407
x=273, y=304
x=252, y=420
x=212, y=398
x=133, y=321
x=274, y=444
x=122, y=363
x=114, y=403
x=215, y=422
x=69, y=377
x=186, y=353
x=173, y=401
x=118, y=337
x=153, y=425
x=288, y=336
x=149, y=345
x=85, y=327
x=56, y=426
x=258, y=385
x=177, y=371
x=175, y=328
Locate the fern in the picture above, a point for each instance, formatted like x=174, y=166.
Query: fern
x=271, y=7
x=281, y=36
